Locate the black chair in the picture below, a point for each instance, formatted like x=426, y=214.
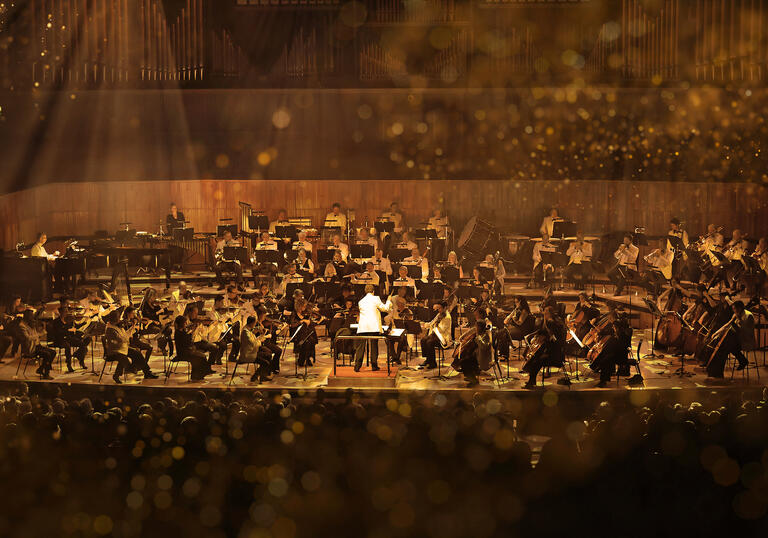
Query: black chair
x=26, y=359
x=107, y=359
x=631, y=361
x=173, y=365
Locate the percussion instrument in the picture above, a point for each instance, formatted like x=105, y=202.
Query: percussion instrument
x=477, y=237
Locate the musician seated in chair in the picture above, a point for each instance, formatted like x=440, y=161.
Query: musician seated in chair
x=291, y=276
x=65, y=334
x=253, y=350
x=547, y=346
x=734, y=251
x=25, y=334
x=519, y=323
x=608, y=353
x=579, y=268
x=306, y=339
x=475, y=353
x=336, y=269
x=215, y=352
x=438, y=333
x=223, y=264
x=733, y=338
x=270, y=344
x=626, y=262
x=136, y=345
x=117, y=339
x=659, y=270
x=542, y=272
x=188, y=351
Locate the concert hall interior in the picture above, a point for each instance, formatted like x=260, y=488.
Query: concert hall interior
x=287, y=268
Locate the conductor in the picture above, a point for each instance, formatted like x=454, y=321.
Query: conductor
x=369, y=325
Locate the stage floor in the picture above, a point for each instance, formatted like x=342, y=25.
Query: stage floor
x=659, y=374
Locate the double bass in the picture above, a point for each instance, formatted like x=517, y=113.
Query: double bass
x=669, y=330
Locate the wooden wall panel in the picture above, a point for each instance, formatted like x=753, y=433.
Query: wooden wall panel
x=599, y=206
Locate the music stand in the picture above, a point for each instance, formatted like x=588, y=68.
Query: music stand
x=327, y=289
x=410, y=291
x=414, y=270
x=235, y=254
x=286, y=232
x=430, y=290
x=325, y=255
x=383, y=226
x=327, y=233
x=486, y=273
x=425, y=233
x=361, y=250
x=564, y=228
x=221, y=228
x=676, y=243
x=639, y=239
x=305, y=287
x=656, y=313
x=268, y=256
x=398, y=254
x=450, y=274
x=183, y=234
x=554, y=258
x=258, y=222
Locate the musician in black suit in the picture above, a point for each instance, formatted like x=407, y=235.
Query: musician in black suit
x=65, y=334
x=174, y=219
x=187, y=351
x=613, y=353
x=548, y=346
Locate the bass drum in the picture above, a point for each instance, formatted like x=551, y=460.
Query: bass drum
x=477, y=238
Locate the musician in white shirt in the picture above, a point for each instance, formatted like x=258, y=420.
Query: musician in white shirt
x=626, y=258
x=266, y=242
x=499, y=272
x=282, y=220
x=38, y=250
x=403, y=279
x=364, y=237
x=301, y=242
x=439, y=223
x=343, y=248
x=734, y=251
x=223, y=264
x=416, y=259
x=290, y=276
x=336, y=218
x=660, y=268
x=381, y=263
x=542, y=271
x=548, y=223
x=369, y=276
x=438, y=333
x=369, y=324
x=713, y=240
x=406, y=242
x=393, y=214
x=579, y=261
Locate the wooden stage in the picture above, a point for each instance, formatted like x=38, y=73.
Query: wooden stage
x=660, y=373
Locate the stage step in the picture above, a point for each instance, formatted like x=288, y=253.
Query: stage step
x=365, y=378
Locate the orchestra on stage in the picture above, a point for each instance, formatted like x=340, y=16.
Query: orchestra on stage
x=421, y=289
